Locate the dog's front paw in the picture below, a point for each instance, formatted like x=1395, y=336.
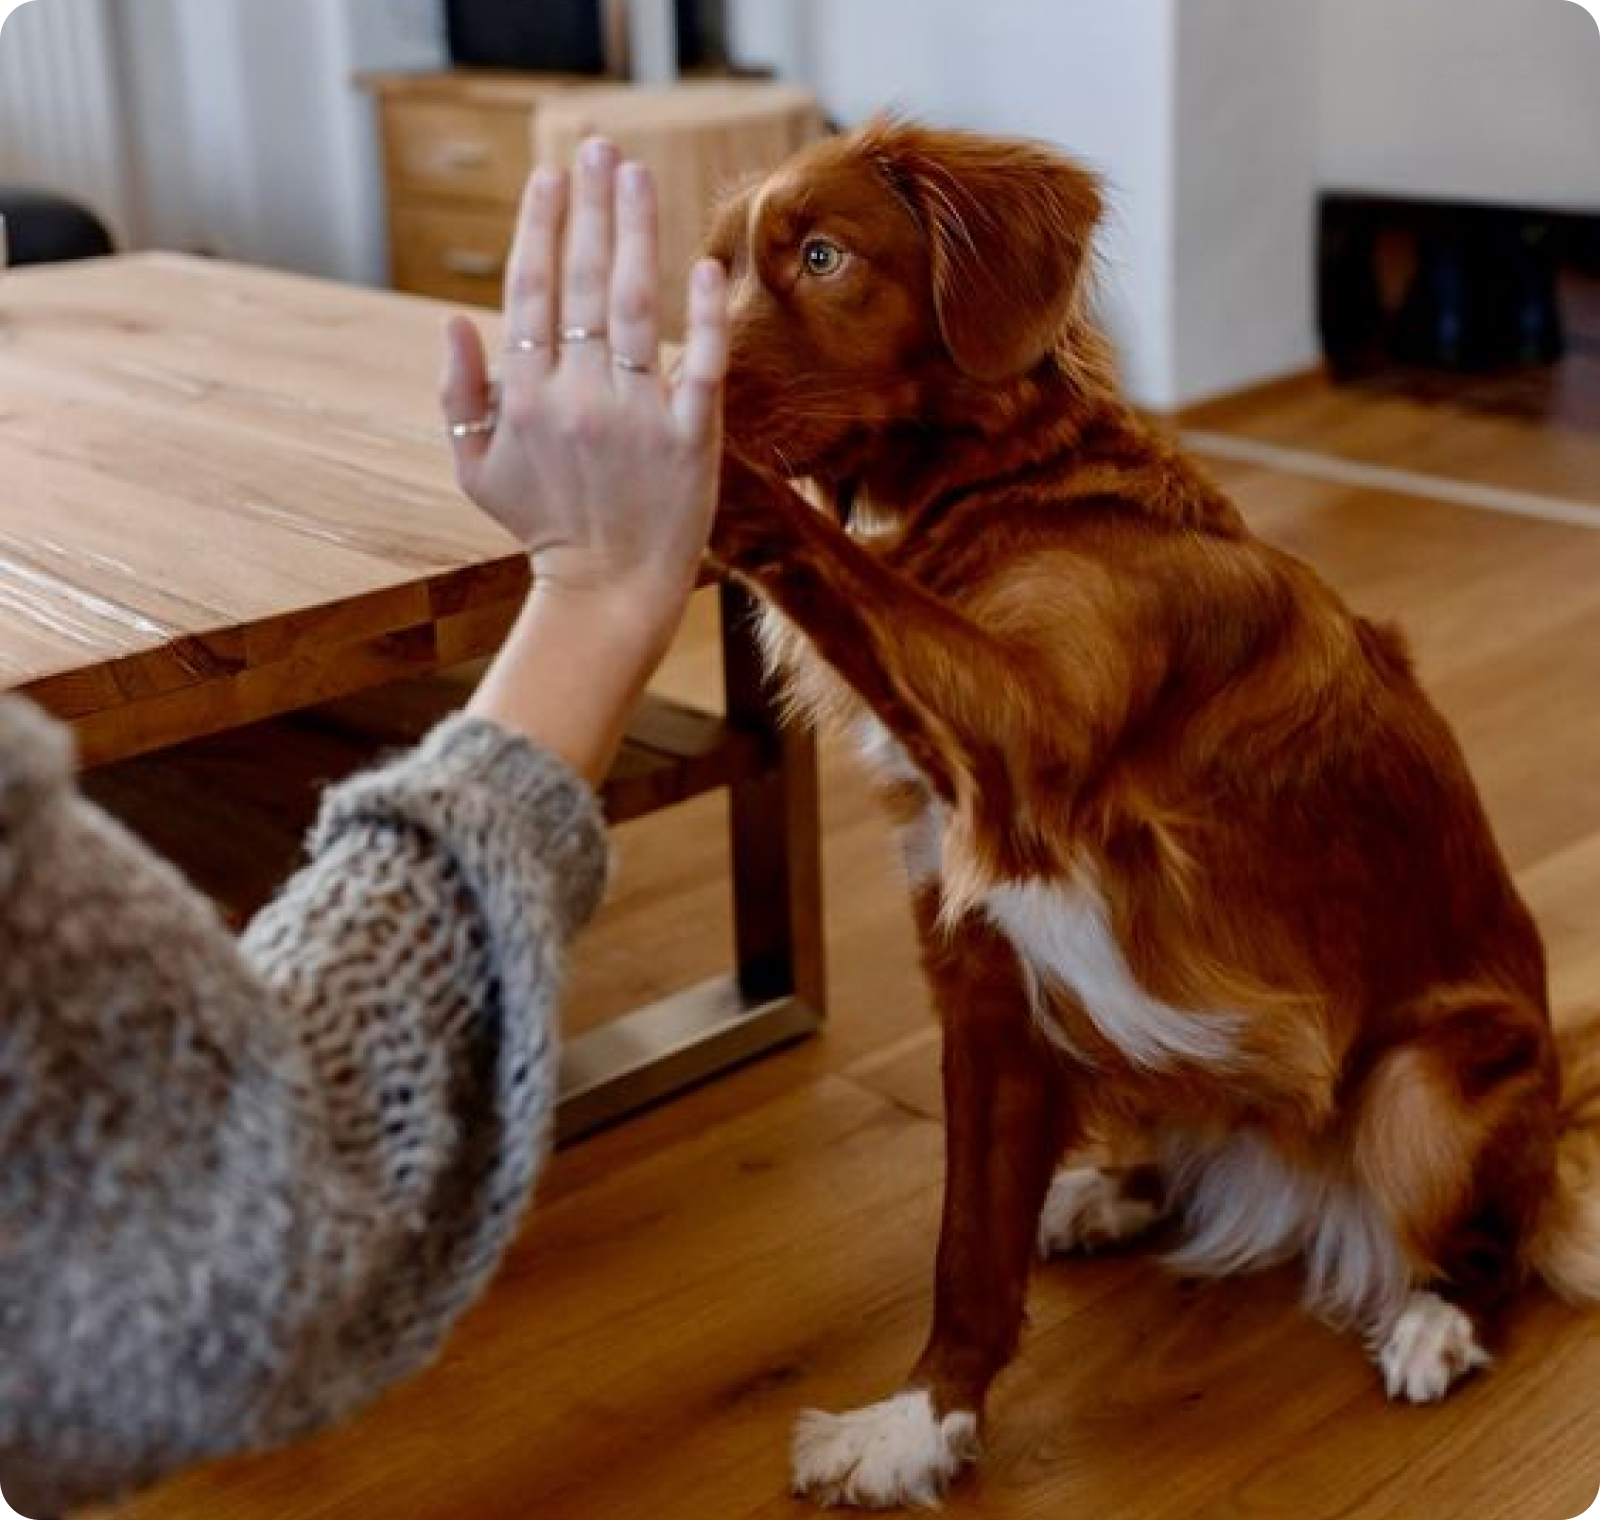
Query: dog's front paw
x=1088, y=1209
x=1432, y=1346
x=888, y=1455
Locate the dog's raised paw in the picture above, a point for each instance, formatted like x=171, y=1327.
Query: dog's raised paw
x=1088, y=1209
x=886, y=1456
x=1432, y=1347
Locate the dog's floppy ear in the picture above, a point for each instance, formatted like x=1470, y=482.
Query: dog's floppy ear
x=1009, y=228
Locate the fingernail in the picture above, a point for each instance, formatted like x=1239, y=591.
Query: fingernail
x=631, y=178
x=597, y=153
x=707, y=276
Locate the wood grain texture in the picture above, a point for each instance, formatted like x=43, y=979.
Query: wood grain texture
x=692, y=1278
x=1484, y=448
x=228, y=495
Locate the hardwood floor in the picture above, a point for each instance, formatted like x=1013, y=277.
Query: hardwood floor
x=689, y=1280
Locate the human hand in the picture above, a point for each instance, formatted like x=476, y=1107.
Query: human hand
x=603, y=468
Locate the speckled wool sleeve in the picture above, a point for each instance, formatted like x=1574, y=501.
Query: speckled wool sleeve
x=245, y=1186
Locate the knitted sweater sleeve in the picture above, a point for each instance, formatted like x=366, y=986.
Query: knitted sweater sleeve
x=245, y=1185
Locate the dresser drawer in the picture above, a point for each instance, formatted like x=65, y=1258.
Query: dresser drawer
x=459, y=147
x=436, y=147
x=451, y=252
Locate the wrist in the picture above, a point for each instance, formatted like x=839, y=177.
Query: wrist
x=573, y=667
x=630, y=621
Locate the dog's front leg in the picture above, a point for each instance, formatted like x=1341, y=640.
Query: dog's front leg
x=1007, y=1119
x=962, y=705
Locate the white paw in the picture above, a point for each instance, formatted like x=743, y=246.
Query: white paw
x=1431, y=1348
x=1087, y=1209
x=884, y=1456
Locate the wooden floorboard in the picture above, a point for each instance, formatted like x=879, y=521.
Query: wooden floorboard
x=1407, y=433
x=690, y=1279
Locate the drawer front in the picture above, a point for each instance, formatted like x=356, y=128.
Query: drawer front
x=472, y=152
x=451, y=253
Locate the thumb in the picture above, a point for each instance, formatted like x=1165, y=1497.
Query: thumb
x=697, y=400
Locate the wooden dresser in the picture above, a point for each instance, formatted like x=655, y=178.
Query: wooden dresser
x=458, y=146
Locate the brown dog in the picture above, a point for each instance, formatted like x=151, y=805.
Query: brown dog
x=1198, y=870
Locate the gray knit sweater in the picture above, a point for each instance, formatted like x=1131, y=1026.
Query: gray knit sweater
x=245, y=1185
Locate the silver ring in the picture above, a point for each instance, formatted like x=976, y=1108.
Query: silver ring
x=583, y=335
x=527, y=345
x=479, y=427
x=632, y=366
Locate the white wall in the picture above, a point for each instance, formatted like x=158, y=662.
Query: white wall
x=1245, y=195
x=1494, y=100
x=1088, y=76
x=1200, y=114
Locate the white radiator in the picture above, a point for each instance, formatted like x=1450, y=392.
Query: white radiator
x=61, y=122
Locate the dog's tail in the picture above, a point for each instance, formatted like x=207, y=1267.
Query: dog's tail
x=1566, y=1252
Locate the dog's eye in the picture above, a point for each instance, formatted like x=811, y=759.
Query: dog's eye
x=821, y=257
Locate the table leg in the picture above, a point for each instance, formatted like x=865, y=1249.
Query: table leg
x=776, y=833
x=776, y=992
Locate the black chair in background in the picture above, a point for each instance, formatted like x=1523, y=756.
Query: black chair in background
x=42, y=228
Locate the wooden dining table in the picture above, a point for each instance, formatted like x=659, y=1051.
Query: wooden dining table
x=226, y=496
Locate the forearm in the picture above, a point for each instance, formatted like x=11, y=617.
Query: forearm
x=573, y=667
x=422, y=953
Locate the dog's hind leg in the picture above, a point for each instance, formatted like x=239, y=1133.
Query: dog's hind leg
x=1096, y=1208
x=1455, y=1142
x=1005, y=1113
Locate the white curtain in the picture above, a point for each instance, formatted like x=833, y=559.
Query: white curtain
x=61, y=112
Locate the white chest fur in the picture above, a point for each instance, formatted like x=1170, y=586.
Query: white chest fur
x=883, y=754
x=810, y=686
x=921, y=840
x=827, y=701
x=1063, y=935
